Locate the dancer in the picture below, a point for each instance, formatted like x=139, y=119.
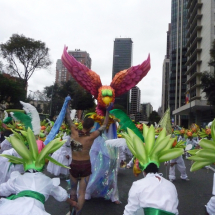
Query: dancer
x=62, y=155
x=190, y=141
x=179, y=163
x=8, y=167
x=33, y=188
x=154, y=194
x=205, y=157
x=81, y=142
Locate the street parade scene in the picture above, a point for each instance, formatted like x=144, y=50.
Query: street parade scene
x=82, y=138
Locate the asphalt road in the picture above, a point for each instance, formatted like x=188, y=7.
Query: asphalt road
x=193, y=194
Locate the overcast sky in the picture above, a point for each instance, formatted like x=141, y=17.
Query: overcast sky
x=92, y=26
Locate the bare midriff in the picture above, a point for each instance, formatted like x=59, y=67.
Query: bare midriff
x=86, y=142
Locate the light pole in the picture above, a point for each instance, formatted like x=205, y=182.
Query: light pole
x=51, y=100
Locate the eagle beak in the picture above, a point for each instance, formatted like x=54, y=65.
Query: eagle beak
x=107, y=100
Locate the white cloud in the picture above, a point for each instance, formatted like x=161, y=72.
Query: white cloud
x=93, y=26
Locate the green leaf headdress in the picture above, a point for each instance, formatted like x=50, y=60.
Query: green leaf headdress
x=31, y=158
x=165, y=122
x=148, y=150
x=206, y=155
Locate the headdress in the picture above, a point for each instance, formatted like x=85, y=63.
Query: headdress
x=204, y=156
x=31, y=158
x=205, y=132
x=146, y=149
x=190, y=133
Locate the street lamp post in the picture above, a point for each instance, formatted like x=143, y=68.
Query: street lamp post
x=51, y=100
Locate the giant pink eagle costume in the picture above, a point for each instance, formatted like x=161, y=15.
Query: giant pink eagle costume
x=90, y=81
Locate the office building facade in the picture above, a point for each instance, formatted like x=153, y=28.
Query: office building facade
x=165, y=76
x=146, y=110
x=122, y=59
x=200, y=35
x=62, y=75
x=178, y=59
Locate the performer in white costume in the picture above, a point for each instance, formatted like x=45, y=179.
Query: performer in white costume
x=7, y=167
x=154, y=194
x=33, y=188
x=210, y=207
x=62, y=155
x=179, y=163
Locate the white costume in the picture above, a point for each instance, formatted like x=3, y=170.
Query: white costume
x=210, y=207
x=193, y=142
x=181, y=138
x=5, y=145
x=150, y=192
x=60, y=156
x=181, y=168
x=7, y=167
x=27, y=205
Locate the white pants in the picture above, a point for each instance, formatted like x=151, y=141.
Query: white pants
x=181, y=167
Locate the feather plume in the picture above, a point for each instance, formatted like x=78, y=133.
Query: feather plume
x=25, y=119
x=35, y=118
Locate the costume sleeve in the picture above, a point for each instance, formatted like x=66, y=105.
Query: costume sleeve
x=8, y=188
x=5, y=145
x=131, y=162
x=58, y=192
x=133, y=201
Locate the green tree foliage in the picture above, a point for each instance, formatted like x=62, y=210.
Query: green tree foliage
x=11, y=91
x=208, y=79
x=120, y=107
x=154, y=117
x=81, y=100
x=208, y=85
x=29, y=53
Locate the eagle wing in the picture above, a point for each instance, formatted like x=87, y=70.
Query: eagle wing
x=123, y=81
x=88, y=79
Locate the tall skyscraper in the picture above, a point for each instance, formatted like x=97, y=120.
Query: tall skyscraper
x=135, y=94
x=62, y=75
x=178, y=59
x=165, y=76
x=146, y=110
x=122, y=59
x=200, y=35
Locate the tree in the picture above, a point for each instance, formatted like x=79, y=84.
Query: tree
x=11, y=91
x=120, y=107
x=208, y=86
x=81, y=100
x=31, y=54
x=154, y=117
x=208, y=79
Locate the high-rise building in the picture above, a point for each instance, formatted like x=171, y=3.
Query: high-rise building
x=146, y=110
x=62, y=75
x=200, y=35
x=178, y=59
x=165, y=76
x=135, y=94
x=122, y=59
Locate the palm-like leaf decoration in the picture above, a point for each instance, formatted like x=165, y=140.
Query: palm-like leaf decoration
x=146, y=149
x=30, y=157
x=206, y=155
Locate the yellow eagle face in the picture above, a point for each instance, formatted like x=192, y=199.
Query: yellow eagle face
x=106, y=95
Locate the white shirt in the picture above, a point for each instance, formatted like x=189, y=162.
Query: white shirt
x=29, y=181
x=154, y=193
